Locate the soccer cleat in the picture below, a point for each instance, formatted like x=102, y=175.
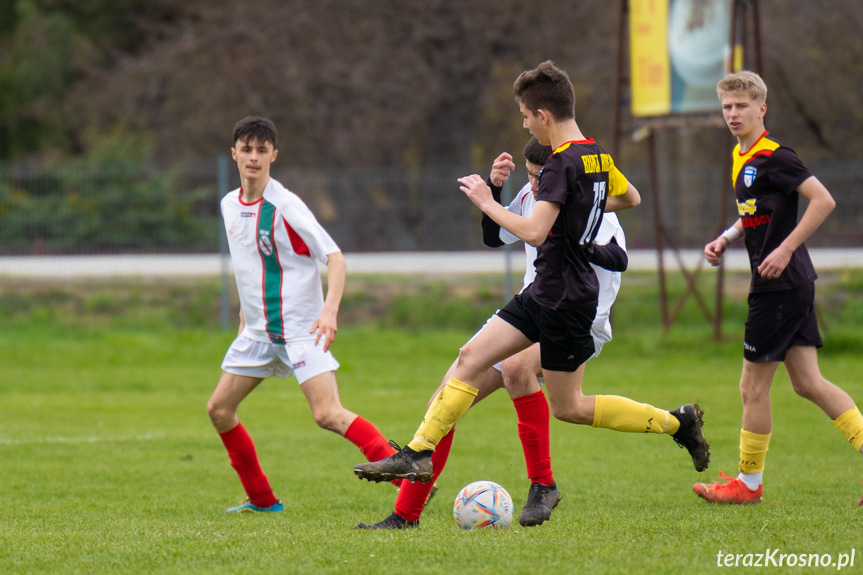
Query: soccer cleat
x=405, y=463
x=860, y=501
x=394, y=521
x=734, y=491
x=690, y=436
x=248, y=506
x=541, y=499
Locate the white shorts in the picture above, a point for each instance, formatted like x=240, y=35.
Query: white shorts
x=302, y=360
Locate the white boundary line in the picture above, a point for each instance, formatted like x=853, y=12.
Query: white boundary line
x=426, y=263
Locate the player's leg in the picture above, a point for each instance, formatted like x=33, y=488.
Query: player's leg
x=496, y=341
x=777, y=323
x=414, y=496
x=520, y=378
x=322, y=394
x=807, y=381
x=230, y=391
x=315, y=370
x=755, y=383
x=568, y=403
x=222, y=409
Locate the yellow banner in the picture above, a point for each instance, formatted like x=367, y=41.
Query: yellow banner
x=678, y=53
x=649, y=62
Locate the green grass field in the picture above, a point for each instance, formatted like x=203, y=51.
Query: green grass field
x=110, y=464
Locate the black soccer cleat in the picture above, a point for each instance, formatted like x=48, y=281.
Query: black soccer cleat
x=394, y=521
x=541, y=499
x=405, y=463
x=690, y=435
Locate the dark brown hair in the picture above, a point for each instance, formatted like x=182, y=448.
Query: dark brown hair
x=536, y=153
x=546, y=87
x=255, y=129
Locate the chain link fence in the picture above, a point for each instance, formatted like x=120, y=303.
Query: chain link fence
x=78, y=208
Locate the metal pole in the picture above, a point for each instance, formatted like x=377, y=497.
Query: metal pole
x=756, y=26
x=222, y=169
x=657, y=224
x=618, y=88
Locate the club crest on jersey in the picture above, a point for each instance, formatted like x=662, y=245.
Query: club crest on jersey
x=265, y=243
x=749, y=175
x=746, y=208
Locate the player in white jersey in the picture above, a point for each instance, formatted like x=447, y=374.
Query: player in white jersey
x=286, y=325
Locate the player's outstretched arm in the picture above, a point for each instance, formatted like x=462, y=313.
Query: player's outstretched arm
x=533, y=230
x=326, y=325
x=821, y=203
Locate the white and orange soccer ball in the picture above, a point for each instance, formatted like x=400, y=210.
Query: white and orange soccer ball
x=483, y=504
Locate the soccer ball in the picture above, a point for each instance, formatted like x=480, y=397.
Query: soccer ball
x=483, y=504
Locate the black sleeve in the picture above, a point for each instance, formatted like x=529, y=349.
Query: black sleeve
x=490, y=228
x=609, y=256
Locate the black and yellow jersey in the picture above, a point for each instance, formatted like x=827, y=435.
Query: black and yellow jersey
x=579, y=176
x=765, y=180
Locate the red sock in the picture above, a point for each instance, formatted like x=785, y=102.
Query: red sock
x=244, y=460
x=412, y=496
x=533, y=419
x=372, y=444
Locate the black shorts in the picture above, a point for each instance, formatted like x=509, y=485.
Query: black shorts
x=779, y=319
x=564, y=336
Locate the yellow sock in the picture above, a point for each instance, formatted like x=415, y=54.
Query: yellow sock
x=753, y=451
x=623, y=414
x=448, y=406
x=850, y=424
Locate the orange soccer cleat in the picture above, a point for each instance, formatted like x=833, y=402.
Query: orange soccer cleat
x=734, y=491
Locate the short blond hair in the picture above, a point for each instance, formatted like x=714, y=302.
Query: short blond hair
x=743, y=82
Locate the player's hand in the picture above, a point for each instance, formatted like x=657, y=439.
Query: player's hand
x=774, y=264
x=501, y=168
x=325, y=327
x=477, y=191
x=714, y=250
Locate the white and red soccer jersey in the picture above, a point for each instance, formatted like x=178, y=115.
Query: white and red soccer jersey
x=276, y=244
x=522, y=205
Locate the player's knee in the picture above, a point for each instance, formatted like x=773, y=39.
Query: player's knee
x=804, y=388
x=471, y=361
x=515, y=370
x=750, y=392
x=328, y=418
x=219, y=414
x=521, y=386
x=571, y=412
